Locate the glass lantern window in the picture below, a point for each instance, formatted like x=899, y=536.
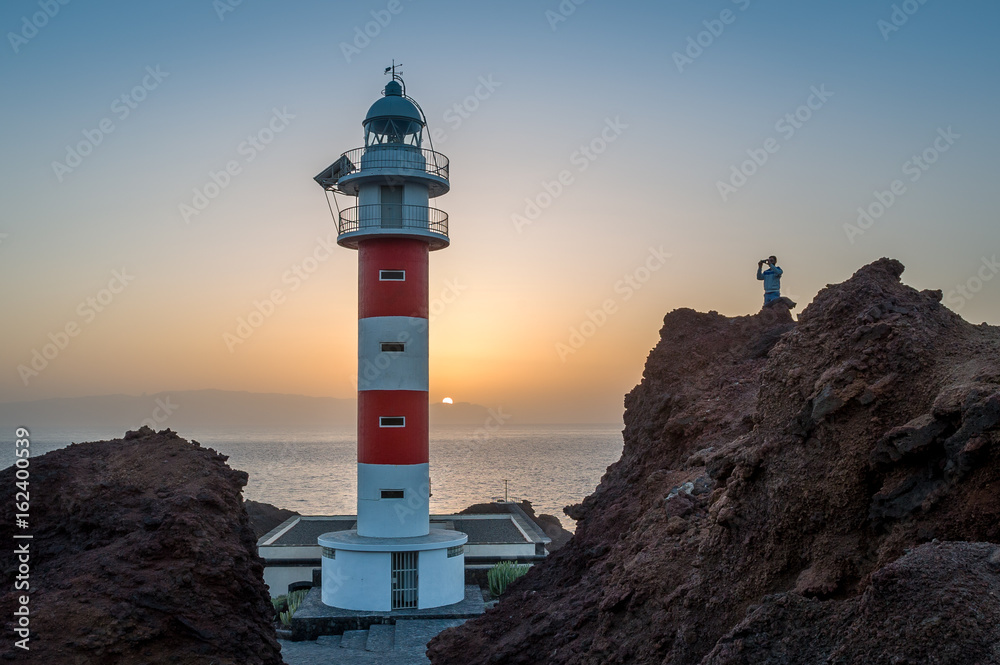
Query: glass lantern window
x=381, y=131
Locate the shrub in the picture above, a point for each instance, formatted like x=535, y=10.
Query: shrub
x=286, y=604
x=502, y=574
x=280, y=604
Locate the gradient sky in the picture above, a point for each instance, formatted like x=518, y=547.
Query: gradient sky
x=508, y=293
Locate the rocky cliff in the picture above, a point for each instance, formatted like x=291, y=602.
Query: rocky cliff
x=826, y=491
x=141, y=553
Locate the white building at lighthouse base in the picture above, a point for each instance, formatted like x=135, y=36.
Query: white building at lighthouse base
x=384, y=574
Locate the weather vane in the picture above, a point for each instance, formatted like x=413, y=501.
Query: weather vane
x=393, y=69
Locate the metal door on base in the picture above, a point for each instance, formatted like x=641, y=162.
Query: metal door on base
x=404, y=580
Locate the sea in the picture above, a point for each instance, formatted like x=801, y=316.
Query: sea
x=314, y=472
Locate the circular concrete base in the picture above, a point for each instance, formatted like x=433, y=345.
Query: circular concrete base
x=361, y=573
x=350, y=540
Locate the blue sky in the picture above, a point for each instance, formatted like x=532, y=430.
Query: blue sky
x=530, y=90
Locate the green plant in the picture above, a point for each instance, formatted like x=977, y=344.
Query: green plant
x=280, y=604
x=502, y=574
x=286, y=604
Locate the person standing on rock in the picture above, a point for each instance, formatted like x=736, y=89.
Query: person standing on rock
x=771, y=278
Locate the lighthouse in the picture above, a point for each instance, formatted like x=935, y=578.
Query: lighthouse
x=392, y=559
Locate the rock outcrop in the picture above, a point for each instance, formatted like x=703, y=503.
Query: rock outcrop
x=826, y=491
x=141, y=553
x=549, y=524
x=264, y=516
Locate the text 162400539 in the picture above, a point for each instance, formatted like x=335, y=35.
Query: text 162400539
x=22, y=539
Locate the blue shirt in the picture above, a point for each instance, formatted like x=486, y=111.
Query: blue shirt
x=771, y=278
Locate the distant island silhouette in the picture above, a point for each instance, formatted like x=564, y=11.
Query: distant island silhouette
x=210, y=409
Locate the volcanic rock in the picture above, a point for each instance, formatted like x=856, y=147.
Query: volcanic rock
x=847, y=470
x=549, y=524
x=925, y=607
x=141, y=553
x=264, y=516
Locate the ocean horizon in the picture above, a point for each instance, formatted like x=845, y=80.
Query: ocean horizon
x=313, y=471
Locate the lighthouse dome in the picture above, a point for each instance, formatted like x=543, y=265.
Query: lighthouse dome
x=393, y=119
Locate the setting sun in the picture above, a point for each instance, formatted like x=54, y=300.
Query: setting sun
x=447, y=400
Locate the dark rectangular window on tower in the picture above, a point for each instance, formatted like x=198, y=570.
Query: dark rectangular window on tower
x=392, y=421
x=392, y=494
x=393, y=347
x=392, y=275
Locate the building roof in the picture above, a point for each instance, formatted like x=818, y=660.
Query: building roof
x=305, y=532
x=481, y=529
x=490, y=531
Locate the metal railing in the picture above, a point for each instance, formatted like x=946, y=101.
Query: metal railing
x=395, y=156
x=393, y=216
x=510, y=499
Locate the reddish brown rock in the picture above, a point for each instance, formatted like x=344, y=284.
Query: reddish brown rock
x=142, y=553
x=264, y=516
x=926, y=607
x=773, y=478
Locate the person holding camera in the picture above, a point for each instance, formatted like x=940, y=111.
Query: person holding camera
x=771, y=278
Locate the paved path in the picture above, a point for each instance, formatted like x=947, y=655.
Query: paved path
x=384, y=644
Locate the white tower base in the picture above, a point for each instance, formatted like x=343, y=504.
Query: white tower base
x=385, y=574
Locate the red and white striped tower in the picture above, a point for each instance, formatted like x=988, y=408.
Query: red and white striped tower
x=393, y=559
